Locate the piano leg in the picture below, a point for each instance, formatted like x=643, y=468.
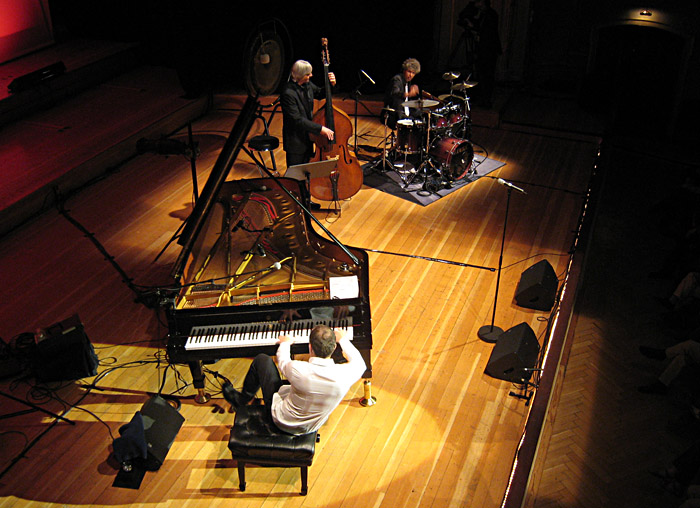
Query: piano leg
x=202, y=396
x=368, y=399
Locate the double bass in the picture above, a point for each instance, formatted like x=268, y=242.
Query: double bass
x=346, y=180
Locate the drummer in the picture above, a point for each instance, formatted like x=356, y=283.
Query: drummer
x=400, y=90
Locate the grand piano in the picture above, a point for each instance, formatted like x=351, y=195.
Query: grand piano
x=253, y=267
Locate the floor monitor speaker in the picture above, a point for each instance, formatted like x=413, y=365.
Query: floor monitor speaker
x=514, y=354
x=161, y=423
x=537, y=288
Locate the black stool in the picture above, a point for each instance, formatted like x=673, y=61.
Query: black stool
x=264, y=143
x=256, y=440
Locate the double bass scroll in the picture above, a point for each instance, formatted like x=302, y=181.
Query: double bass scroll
x=347, y=178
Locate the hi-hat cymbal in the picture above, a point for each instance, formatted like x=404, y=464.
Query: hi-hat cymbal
x=464, y=86
x=421, y=103
x=451, y=75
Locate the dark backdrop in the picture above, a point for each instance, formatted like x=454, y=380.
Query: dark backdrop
x=205, y=40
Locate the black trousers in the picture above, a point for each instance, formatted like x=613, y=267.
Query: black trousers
x=262, y=374
x=297, y=158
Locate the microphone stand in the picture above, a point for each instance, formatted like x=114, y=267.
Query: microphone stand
x=491, y=333
x=526, y=394
x=356, y=97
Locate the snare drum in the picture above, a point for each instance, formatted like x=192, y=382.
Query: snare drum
x=409, y=136
x=454, y=155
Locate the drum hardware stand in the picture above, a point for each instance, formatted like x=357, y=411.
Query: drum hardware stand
x=385, y=161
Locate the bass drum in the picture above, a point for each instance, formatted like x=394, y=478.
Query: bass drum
x=455, y=157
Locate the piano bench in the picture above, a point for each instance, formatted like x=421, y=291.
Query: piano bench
x=254, y=439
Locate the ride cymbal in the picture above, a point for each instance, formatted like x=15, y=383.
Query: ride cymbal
x=451, y=75
x=464, y=86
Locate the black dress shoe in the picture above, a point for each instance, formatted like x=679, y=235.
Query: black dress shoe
x=232, y=396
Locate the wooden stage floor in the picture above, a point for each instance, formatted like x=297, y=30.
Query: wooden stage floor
x=442, y=432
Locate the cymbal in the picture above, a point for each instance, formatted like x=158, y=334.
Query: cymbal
x=464, y=86
x=451, y=75
x=424, y=103
x=450, y=97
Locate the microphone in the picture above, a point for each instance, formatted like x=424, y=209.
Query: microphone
x=510, y=185
x=367, y=76
x=276, y=101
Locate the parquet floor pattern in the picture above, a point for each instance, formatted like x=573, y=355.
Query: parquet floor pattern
x=607, y=436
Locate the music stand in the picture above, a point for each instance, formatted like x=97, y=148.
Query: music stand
x=318, y=169
x=305, y=172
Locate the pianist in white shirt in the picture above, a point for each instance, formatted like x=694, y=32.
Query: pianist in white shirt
x=313, y=388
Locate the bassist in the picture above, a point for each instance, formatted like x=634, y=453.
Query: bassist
x=297, y=100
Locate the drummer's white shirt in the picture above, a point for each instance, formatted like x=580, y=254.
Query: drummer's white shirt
x=405, y=108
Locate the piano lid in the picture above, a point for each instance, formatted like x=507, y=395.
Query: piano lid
x=217, y=177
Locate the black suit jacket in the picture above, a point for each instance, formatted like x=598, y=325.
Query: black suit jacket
x=297, y=113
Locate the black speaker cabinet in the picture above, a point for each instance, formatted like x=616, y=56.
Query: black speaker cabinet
x=161, y=423
x=64, y=353
x=537, y=287
x=517, y=349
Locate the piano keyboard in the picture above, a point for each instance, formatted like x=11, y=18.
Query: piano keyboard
x=263, y=333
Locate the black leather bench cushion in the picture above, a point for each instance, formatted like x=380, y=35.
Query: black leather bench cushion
x=253, y=437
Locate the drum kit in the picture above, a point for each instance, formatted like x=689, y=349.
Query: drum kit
x=431, y=144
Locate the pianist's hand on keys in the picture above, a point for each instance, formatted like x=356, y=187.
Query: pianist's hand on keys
x=339, y=334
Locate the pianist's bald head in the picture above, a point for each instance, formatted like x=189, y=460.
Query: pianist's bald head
x=322, y=340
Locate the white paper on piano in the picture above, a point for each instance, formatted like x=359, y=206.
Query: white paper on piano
x=344, y=287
